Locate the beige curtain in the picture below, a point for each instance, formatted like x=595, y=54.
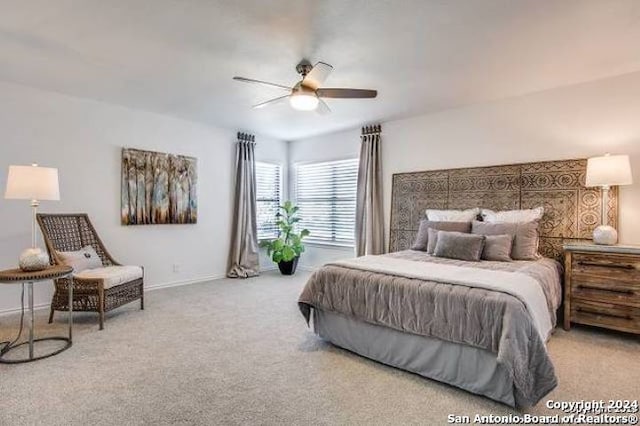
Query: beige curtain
x=243, y=256
x=369, y=209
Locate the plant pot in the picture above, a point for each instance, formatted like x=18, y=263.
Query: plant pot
x=288, y=268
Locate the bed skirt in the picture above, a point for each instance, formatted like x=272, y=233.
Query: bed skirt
x=466, y=367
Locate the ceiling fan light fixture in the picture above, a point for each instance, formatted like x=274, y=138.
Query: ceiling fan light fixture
x=303, y=101
x=308, y=93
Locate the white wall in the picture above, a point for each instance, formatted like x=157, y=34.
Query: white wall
x=83, y=139
x=571, y=122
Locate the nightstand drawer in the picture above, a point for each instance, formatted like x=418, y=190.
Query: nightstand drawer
x=605, y=289
x=612, y=266
x=623, y=318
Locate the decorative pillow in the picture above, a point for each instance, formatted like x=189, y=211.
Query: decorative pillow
x=457, y=245
x=422, y=238
x=433, y=239
x=497, y=248
x=85, y=258
x=525, y=237
x=513, y=216
x=453, y=215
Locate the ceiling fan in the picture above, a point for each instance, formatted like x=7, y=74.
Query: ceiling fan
x=306, y=95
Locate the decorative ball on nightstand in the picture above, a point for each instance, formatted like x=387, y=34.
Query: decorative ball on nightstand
x=33, y=259
x=605, y=235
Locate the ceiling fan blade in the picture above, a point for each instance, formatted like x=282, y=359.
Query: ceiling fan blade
x=317, y=75
x=347, y=93
x=270, y=102
x=323, y=108
x=265, y=83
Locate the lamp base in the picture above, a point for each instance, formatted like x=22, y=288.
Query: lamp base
x=33, y=259
x=605, y=235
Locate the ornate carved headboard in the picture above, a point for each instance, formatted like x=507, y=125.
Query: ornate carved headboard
x=571, y=210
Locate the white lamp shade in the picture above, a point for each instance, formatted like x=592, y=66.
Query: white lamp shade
x=609, y=170
x=32, y=183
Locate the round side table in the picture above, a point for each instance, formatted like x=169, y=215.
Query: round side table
x=17, y=276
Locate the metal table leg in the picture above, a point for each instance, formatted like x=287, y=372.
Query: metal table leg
x=31, y=317
x=70, y=311
x=31, y=341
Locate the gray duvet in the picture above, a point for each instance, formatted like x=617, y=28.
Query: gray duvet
x=487, y=319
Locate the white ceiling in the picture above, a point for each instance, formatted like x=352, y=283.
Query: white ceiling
x=177, y=57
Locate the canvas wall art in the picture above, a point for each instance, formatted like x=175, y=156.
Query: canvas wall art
x=158, y=188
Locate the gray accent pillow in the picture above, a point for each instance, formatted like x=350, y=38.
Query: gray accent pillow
x=422, y=238
x=433, y=240
x=457, y=245
x=525, y=237
x=498, y=248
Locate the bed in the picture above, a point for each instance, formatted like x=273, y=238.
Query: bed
x=480, y=326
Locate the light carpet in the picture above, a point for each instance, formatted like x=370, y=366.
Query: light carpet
x=238, y=352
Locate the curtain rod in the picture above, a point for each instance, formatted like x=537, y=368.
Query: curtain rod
x=368, y=130
x=246, y=137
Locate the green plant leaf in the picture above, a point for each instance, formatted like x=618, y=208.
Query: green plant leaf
x=288, y=254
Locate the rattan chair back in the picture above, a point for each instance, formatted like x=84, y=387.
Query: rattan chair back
x=71, y=232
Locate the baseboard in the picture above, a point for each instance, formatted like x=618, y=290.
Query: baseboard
x=146, y=289
x=36, y=307
x=183, y=282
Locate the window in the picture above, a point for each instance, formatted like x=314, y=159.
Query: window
x=326, y=195
x=268, y=189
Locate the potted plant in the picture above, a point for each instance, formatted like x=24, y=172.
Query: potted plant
x=287, y=248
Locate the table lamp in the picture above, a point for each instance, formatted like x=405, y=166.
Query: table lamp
x=607, y=171
x=36, y=184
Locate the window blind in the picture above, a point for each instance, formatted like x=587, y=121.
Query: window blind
x=326, y=195
x=268, y=192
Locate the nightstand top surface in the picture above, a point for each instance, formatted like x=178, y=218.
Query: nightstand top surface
x=599, y=248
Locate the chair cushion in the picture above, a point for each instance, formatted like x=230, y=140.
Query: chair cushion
x=111, y=275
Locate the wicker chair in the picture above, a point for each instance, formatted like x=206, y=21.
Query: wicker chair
x=72, y=232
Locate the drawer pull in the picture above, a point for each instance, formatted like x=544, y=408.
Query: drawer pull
x=595, y=312
x=608, y=265
x=610, y=290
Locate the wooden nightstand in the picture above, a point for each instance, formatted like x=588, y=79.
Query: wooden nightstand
x=602, y=286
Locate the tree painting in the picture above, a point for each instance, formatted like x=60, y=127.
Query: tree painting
x=158, y=188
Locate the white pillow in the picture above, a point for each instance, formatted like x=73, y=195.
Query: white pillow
x=85, y=258
x=513, y=216
x=452, y=215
